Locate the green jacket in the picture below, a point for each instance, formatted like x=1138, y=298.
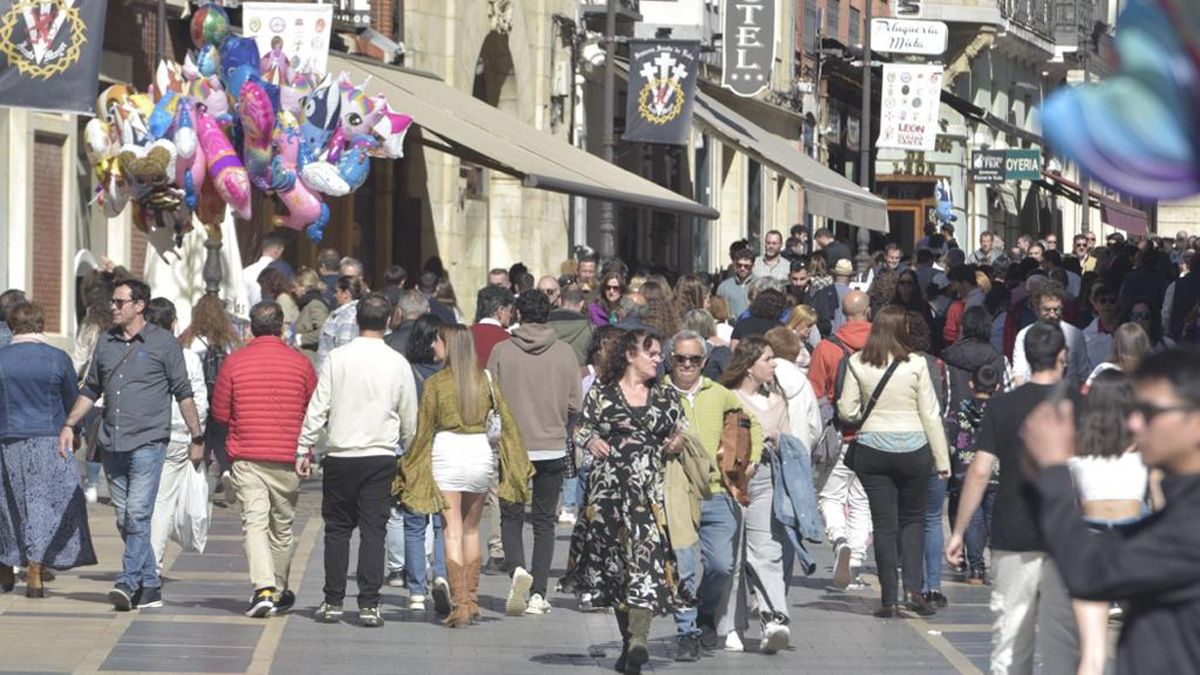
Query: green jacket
x=705, y=414
x=414, y=485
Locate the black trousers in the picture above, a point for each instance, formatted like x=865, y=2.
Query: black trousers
x=547, y=487
x=356, y=492
x=897, y=486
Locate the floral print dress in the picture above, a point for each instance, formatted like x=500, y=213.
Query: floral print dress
x=620, y=550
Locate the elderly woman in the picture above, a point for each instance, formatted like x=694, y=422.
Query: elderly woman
x=620, y=552
x=43, y=516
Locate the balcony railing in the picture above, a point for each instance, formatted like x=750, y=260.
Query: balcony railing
x=1033, y=15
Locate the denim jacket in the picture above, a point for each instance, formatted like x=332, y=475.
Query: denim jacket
x=794, y=500
x=38, y=386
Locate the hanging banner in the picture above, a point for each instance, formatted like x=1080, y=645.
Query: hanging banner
x=50, y=54
x=747, y=46
x=290, y=36
x=908, y=118
x=662, y=85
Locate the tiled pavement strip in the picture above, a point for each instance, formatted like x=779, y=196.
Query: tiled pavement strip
x=201, y=628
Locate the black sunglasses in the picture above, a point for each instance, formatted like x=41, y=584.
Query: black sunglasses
x=1149, y=411
x=687, y=359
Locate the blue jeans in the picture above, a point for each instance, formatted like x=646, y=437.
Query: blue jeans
x=570, y=494
x=414, y=550
x=395, y=540
x=933, y=533
x=979, y=531
x=719, y=521
x=133, y=486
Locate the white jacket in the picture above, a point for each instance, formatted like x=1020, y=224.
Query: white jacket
x=804, y=413
x=367, y=396
x=195, y=371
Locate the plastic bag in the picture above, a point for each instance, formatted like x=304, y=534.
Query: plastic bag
x=193, y=512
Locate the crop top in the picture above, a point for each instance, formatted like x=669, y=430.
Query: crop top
x=1103, y=478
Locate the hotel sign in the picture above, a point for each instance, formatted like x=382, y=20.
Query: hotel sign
x=747, y=45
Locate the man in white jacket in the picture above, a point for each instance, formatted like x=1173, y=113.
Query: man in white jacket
x=367, y=399
x=161, y=312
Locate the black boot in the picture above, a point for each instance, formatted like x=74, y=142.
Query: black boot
x=919, y=605
x=639, y=638
x=623, y=626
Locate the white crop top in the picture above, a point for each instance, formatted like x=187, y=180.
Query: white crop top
x=1098, y=478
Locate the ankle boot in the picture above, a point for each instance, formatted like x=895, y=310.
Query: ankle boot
x=623, y=626
x=459, y=616
x=33, y=581
x=8, y=580
x=471, y=576
x=639, y=638
x=918, y=604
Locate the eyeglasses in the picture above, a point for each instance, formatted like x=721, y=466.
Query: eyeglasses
x=1139, y=316
x=1081, y=244
x=1149, y=411
x=613, y=287
x=119, y=302
x=687, y=359
x=1104, y=300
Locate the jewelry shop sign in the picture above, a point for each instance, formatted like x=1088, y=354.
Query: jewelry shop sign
x=906, y=36
x=747, y=45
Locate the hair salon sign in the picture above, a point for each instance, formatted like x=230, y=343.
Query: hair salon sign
x=748, y=45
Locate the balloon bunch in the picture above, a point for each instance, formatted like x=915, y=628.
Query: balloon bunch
x=227, y=121
x=1138, y=131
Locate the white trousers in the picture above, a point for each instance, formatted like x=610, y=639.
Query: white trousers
x=1030, y=599
x=847, y=513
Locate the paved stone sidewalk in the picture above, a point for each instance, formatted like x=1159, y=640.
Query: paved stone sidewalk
x=201, y=628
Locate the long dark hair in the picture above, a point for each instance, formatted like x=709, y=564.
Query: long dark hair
x=618, y=358
x=600, y=298
x=749, y=350
x=1102, y=428
x=889, y=337
x=916, y=302
x=211, y=324
x=420, y=341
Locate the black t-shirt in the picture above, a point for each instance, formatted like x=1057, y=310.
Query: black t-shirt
x=1014, y=515
x=752, y=325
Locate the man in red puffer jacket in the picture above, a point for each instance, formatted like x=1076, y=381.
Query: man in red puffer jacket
x=262, y=393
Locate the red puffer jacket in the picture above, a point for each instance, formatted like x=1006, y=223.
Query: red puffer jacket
x=262, y=393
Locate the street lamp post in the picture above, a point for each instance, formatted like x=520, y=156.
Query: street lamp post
x=608, y=229
x=864, y=139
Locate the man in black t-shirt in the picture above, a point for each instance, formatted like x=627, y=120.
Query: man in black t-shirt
x=1028, y=594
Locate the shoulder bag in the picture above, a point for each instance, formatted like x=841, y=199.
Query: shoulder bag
x=848, y=460
x=491, y=422
x=92, y=431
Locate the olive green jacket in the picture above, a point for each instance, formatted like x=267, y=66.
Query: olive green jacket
x=414, y=485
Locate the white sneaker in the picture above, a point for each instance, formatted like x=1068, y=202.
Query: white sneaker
x=857, y=584
x=416, y=603
x=90, y=495
x=841, y=564
x=775, y=638
x=537, y=605
x=733, y=643
x=566, y=518
x=518, y=593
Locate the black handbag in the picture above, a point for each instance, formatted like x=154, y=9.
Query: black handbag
x=848, y=459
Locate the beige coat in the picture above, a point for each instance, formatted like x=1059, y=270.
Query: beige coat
x=908, y=402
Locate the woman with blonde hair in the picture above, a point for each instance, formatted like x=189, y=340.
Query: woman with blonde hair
x=803, y=322
x=450, y=465
x=1130, y=344
x=310, y=297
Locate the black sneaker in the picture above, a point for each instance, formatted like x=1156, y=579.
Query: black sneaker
x=687, y=648
x=148, y=598
x=936, y=599
x=397, y=579
x=262, y=603
x=328, y=613
x=121, y=597
x=284, y=602
x=370, y=617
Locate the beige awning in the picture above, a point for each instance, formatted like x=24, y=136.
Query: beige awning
x=826, y=192
x=469, y=128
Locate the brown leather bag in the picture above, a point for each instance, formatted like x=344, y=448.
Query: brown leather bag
x=733, y=455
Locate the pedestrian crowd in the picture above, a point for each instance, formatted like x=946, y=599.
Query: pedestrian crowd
x=1029, y=417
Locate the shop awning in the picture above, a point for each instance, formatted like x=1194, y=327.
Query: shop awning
x=455, y=122
x=826, y=192
x=1112, y=212
x=974, y=112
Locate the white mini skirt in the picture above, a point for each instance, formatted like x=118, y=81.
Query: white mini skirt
x=462, y=462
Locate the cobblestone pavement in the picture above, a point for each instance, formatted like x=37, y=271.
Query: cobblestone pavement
x=201, y=627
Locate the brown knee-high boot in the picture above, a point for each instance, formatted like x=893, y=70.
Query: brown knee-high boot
x=33, y=581
x=460, y=614
x=471, y=573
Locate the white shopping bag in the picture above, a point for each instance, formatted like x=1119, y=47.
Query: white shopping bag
x=193, y=511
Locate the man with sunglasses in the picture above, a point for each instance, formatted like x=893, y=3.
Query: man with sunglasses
x=1153, y=566
x=1082, y=250
x=704, y=405
x=139, y=369
x=734, y=289
x=1098, y=336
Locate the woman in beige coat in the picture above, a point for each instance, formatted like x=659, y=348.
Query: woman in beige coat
x=900, y=443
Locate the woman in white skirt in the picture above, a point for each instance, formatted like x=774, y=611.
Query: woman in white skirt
x=451, y=462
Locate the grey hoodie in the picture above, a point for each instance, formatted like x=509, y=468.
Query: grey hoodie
x=539, y=377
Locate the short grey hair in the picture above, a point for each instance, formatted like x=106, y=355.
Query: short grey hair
x=701, y=322
x=686, y=335
x=761, y=284
x=412, y=304
x=351, y=262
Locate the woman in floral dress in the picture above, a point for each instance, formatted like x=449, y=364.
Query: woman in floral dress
x=620, y=551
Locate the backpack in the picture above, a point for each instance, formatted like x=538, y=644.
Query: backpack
x=211, y=364
x=839, y=380
x=828, y=447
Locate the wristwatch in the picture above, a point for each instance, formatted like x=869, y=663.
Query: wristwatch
x=197, y=439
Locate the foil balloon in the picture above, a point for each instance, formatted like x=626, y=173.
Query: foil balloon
x=390, y=131
x=258, y=122
x=305, y=209
x=318, y=117
x=225, y=170
x=359, y=112
x=210, y=26
x=1138, y=130
x=190, y=169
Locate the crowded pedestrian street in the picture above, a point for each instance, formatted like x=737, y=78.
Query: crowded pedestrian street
x=201, y=629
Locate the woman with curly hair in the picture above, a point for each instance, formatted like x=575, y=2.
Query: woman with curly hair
x=629, y=423
x=607, y=299
x=212, y=337
x=660, y=311
x=691, y=293
x=276, y=286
